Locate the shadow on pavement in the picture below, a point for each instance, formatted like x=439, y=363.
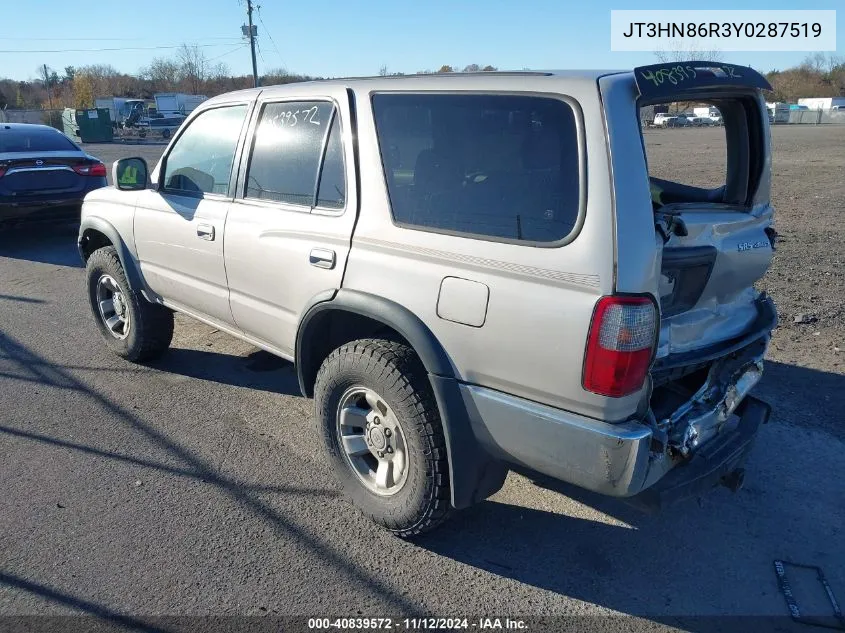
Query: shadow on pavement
x=86, y=606
x=662, y=552
x=21, y=299
x=260, y=370
x=806, y=397
x=195, y=465
x=641, y=564
x=48, y=244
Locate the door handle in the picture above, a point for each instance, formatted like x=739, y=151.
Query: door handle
x=322, y=258
x=205, y=231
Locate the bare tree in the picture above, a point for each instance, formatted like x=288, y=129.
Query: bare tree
x=193, y=67
x=163, y=73
x=382, y=71
x=218, y=71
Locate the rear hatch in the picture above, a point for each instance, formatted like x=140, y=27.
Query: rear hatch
x=713, y=221
x=711, y=210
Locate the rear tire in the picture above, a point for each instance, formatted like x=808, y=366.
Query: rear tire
x=132, y=327
x=392, y=388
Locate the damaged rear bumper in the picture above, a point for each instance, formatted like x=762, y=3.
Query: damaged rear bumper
x=612, y=459
x=719, y=461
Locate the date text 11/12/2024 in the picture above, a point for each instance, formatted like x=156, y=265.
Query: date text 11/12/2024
x=415, y=624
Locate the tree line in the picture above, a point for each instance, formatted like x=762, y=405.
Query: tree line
x=191, y=71
x=188, y=71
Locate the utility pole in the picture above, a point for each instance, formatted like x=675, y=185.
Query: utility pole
x=252, y=43
x=47, y=83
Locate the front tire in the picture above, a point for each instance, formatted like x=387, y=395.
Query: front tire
x=132, y=327
x=380, y=427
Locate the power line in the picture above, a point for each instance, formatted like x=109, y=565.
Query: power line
x=260, y=54
x=121, y=48
x=272, y=41
x=100, y=39
x=237, y=48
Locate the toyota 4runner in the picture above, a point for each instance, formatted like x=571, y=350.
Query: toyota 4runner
x=470, y=272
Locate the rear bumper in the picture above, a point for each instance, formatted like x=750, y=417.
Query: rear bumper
x=45, y=207
x=714, y=463
x=611, y=459
x=46, y=200
x=41, y=211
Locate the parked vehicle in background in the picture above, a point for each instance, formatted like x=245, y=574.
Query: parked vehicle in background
x=461, y=285
x=710, y=113
x=662, y=119
x=706, y=112
x=821, y=103
x=778, y=111
x=43, y=174
x=169, y=104
x=679, y=120
x=120, y=108
x=700, y=121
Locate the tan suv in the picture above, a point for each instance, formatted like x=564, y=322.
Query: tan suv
x=469, y=272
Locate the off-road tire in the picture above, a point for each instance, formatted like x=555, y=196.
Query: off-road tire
x=395, y=372
x=151, y=325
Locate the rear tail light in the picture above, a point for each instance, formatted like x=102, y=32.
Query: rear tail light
x=2, y=170
x=96, y=169
x=620, y=345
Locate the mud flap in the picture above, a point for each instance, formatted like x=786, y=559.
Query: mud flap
x=473, y=474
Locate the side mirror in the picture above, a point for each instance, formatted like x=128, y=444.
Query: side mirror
x=130, y=174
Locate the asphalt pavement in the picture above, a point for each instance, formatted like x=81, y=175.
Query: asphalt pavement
x=194, y=486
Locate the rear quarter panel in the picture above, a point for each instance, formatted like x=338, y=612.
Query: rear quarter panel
x=540, y=302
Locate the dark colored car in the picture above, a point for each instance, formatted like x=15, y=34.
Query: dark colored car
x=43, y=174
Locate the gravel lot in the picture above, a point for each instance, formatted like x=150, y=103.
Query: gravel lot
x=194, y=486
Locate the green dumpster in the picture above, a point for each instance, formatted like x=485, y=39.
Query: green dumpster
x=94, y=125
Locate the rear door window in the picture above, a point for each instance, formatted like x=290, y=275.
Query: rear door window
x=287, y=153
x=34, y=139
x=500, y=167
x=331, y=192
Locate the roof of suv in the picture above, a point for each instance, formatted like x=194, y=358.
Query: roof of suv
x=428, y=81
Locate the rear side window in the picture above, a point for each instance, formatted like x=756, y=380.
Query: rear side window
x=297, y=156
x=495, y=166
x=34, y=139
x=201, y=159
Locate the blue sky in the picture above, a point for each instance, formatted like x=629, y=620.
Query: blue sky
x=344, y=38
